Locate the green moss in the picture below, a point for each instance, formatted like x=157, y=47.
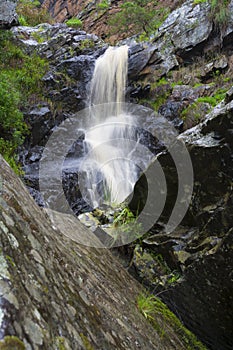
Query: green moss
x=10, y=260
x=38, y=37
x=215, y=99
x=60, y=343
x=86, y=44
x=11, y=343
x=86, y=342
x=161, y=318
x=195, y=2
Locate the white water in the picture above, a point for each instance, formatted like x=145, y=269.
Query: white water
x=109, y=171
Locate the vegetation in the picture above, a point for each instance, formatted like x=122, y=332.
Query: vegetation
x=220, y=12
x=103, y=5
x=124, y=217
x=11, y=343
x=126, y=222
x=20, y=76
x=138, y=16
x=161, y=318
x=31, y=13
x=74, y=23
x=198, y=1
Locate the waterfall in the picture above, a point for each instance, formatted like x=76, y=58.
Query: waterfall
x=109, y=173
x=109, y=80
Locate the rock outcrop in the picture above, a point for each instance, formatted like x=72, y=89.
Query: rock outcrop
x=199, y=251
x=94, y=17
x=8, y=16
x=58, y=294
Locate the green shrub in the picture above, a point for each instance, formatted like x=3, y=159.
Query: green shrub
x=138, y=16
x=20, y=82
x=74, y=23
x=103, y=5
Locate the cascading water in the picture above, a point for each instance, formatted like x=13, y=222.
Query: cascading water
x=109, y=171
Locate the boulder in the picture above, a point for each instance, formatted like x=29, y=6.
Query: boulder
x=8, y=15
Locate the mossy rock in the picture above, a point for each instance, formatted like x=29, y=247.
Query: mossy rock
x=11, y=343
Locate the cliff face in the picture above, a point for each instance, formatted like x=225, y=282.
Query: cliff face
x=200, y=250
x=95, y=20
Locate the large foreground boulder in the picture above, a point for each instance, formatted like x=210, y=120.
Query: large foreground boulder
x=58, y=294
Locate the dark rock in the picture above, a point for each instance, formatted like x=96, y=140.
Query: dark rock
x=180, y=98
x=139, y=56
x=214, y=68
x=79, y=68
x=201, y=248
x=204, y=297
x=138, y=91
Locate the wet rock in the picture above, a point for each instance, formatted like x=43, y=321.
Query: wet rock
x=41, y=122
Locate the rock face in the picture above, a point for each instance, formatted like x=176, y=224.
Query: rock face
x=58, y=294
x=200, y=250
x=94, y=18
x=185, y=34
x=8, y=16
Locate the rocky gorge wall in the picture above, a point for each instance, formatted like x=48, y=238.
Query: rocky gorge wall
x=187, y=59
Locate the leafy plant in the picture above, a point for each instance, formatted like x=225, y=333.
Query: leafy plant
x=124, y=217
x=126, y=222
x=20, y=77
x=74, y=22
